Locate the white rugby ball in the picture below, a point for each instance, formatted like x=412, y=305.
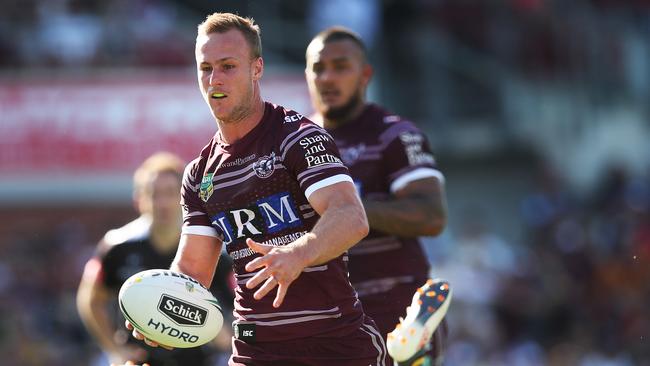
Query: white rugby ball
x=170, y=308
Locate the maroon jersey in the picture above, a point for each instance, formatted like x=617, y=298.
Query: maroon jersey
x=258, y=188
x=384, y=153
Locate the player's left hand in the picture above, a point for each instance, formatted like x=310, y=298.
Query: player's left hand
x=139, y=336
x=280, y=266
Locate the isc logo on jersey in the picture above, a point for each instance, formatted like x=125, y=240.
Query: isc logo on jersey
x=293, y=118
x=265, y=216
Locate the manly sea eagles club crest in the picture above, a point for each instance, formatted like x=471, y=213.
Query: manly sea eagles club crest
x=265, y=165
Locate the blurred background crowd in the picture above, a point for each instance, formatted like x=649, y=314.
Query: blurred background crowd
x=537, y=110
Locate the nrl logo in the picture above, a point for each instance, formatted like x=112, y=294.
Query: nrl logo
x=265, y=166
x=206, y=187
x=189, y=286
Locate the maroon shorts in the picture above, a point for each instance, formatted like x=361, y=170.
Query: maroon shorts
x=363, y=347
x=386, y=308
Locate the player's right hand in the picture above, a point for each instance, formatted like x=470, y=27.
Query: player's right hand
x=278, y=266
x=137, y=335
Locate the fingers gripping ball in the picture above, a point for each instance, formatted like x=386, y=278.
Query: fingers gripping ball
x=170, y=308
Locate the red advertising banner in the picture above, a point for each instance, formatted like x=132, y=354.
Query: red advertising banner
x=110, y=124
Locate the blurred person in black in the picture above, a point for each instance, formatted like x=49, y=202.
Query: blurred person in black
x=148, y=242
x=400, y=185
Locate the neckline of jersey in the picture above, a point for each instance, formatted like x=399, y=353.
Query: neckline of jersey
x=251, y=135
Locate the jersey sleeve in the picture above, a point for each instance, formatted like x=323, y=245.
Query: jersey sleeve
x=312, y=156
x=195, y=218
x=104, y=265
x=408, y=156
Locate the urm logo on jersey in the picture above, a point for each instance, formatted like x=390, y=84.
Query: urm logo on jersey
x=268, y=215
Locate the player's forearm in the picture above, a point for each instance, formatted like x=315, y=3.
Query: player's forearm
x=407, y=217
x=197, y=256
x=338, y=229
x=95, y=318
x=203, y=276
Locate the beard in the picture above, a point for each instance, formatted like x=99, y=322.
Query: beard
x=242, y=110
x=342, y=114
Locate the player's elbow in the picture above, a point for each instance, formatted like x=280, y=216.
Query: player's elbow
x=435, y=226
x=435, y=218
x=83, y=303
x=361, y=228
x=364, y=228
x=88, y=302
x=84, y=297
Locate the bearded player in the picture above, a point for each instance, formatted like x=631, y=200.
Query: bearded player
x=402, y=192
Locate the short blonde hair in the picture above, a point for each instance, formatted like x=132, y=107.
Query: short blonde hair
x=223, y=22
x=160, y=162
